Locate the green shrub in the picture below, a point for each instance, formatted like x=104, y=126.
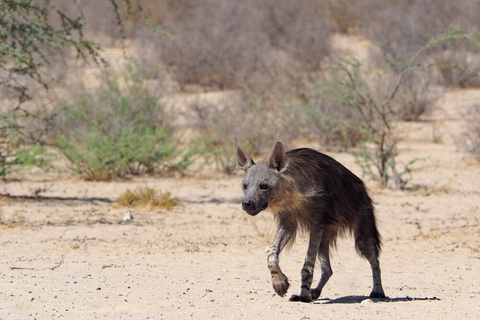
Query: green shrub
x=116, y=131
x=99, y=156
x=24, y=157
x=15, y=154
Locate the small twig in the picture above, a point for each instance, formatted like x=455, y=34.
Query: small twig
x=36, y=269
x=58, y=264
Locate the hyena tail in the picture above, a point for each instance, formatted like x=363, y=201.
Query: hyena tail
x=367, y=238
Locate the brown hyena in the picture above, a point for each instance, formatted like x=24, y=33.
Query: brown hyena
x=307, y=189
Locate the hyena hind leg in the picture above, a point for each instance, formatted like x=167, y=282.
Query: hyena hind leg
x=326, y=269
x=377, y=291
x=369, y=249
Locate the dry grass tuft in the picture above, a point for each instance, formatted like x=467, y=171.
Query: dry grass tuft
x=147, y=197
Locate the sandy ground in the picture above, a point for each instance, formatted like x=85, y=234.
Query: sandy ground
x=205, y=259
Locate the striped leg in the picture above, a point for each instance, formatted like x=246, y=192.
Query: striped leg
x=279, y=279
x=369, y=246
x=324, y=257
x=377, y=291
x=308, y=267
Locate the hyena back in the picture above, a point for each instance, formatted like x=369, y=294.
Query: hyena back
x=307, y=189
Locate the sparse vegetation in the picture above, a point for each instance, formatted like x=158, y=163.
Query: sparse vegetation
x=274, y=55
x=14, y=154
x=372, y=101
x=29, y=34
x=380, y=99
x=262, y=47
x=400, y=29
x=372, y=115
x=255, y=123
x=35, y=38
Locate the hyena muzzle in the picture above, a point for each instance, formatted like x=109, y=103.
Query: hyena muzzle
x=309, y=190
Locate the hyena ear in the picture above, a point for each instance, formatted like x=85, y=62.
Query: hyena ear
x=244, y=161
x=278, y=158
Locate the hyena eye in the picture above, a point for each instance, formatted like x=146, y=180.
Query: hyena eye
x=244, y=186
x=263, y=186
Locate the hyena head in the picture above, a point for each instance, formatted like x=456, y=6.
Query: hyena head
x=262, y=180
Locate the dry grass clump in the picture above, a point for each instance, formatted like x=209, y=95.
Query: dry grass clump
x=147, y=197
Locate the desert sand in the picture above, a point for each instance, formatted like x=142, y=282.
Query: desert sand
x=206, y=259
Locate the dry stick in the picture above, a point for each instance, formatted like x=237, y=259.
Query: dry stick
x=407, y=69
x=398, y=181
x=40, y=198
x=36, y=269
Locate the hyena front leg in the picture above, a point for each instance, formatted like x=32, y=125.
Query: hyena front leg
x=279, y=279
x=308, y=266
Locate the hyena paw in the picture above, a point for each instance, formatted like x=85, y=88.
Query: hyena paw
x=296, y=297
x=377, y=294
x=280, y=284
x=314, y=293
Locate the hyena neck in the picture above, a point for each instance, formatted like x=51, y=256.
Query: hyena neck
x=286, y=197
x=288, y=203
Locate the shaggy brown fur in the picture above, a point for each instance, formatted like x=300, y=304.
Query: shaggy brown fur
x=307, y=189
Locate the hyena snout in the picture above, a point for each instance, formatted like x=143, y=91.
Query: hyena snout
x=247, y=204
x=252, y=207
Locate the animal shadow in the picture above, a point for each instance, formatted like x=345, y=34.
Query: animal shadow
x=359, y=299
